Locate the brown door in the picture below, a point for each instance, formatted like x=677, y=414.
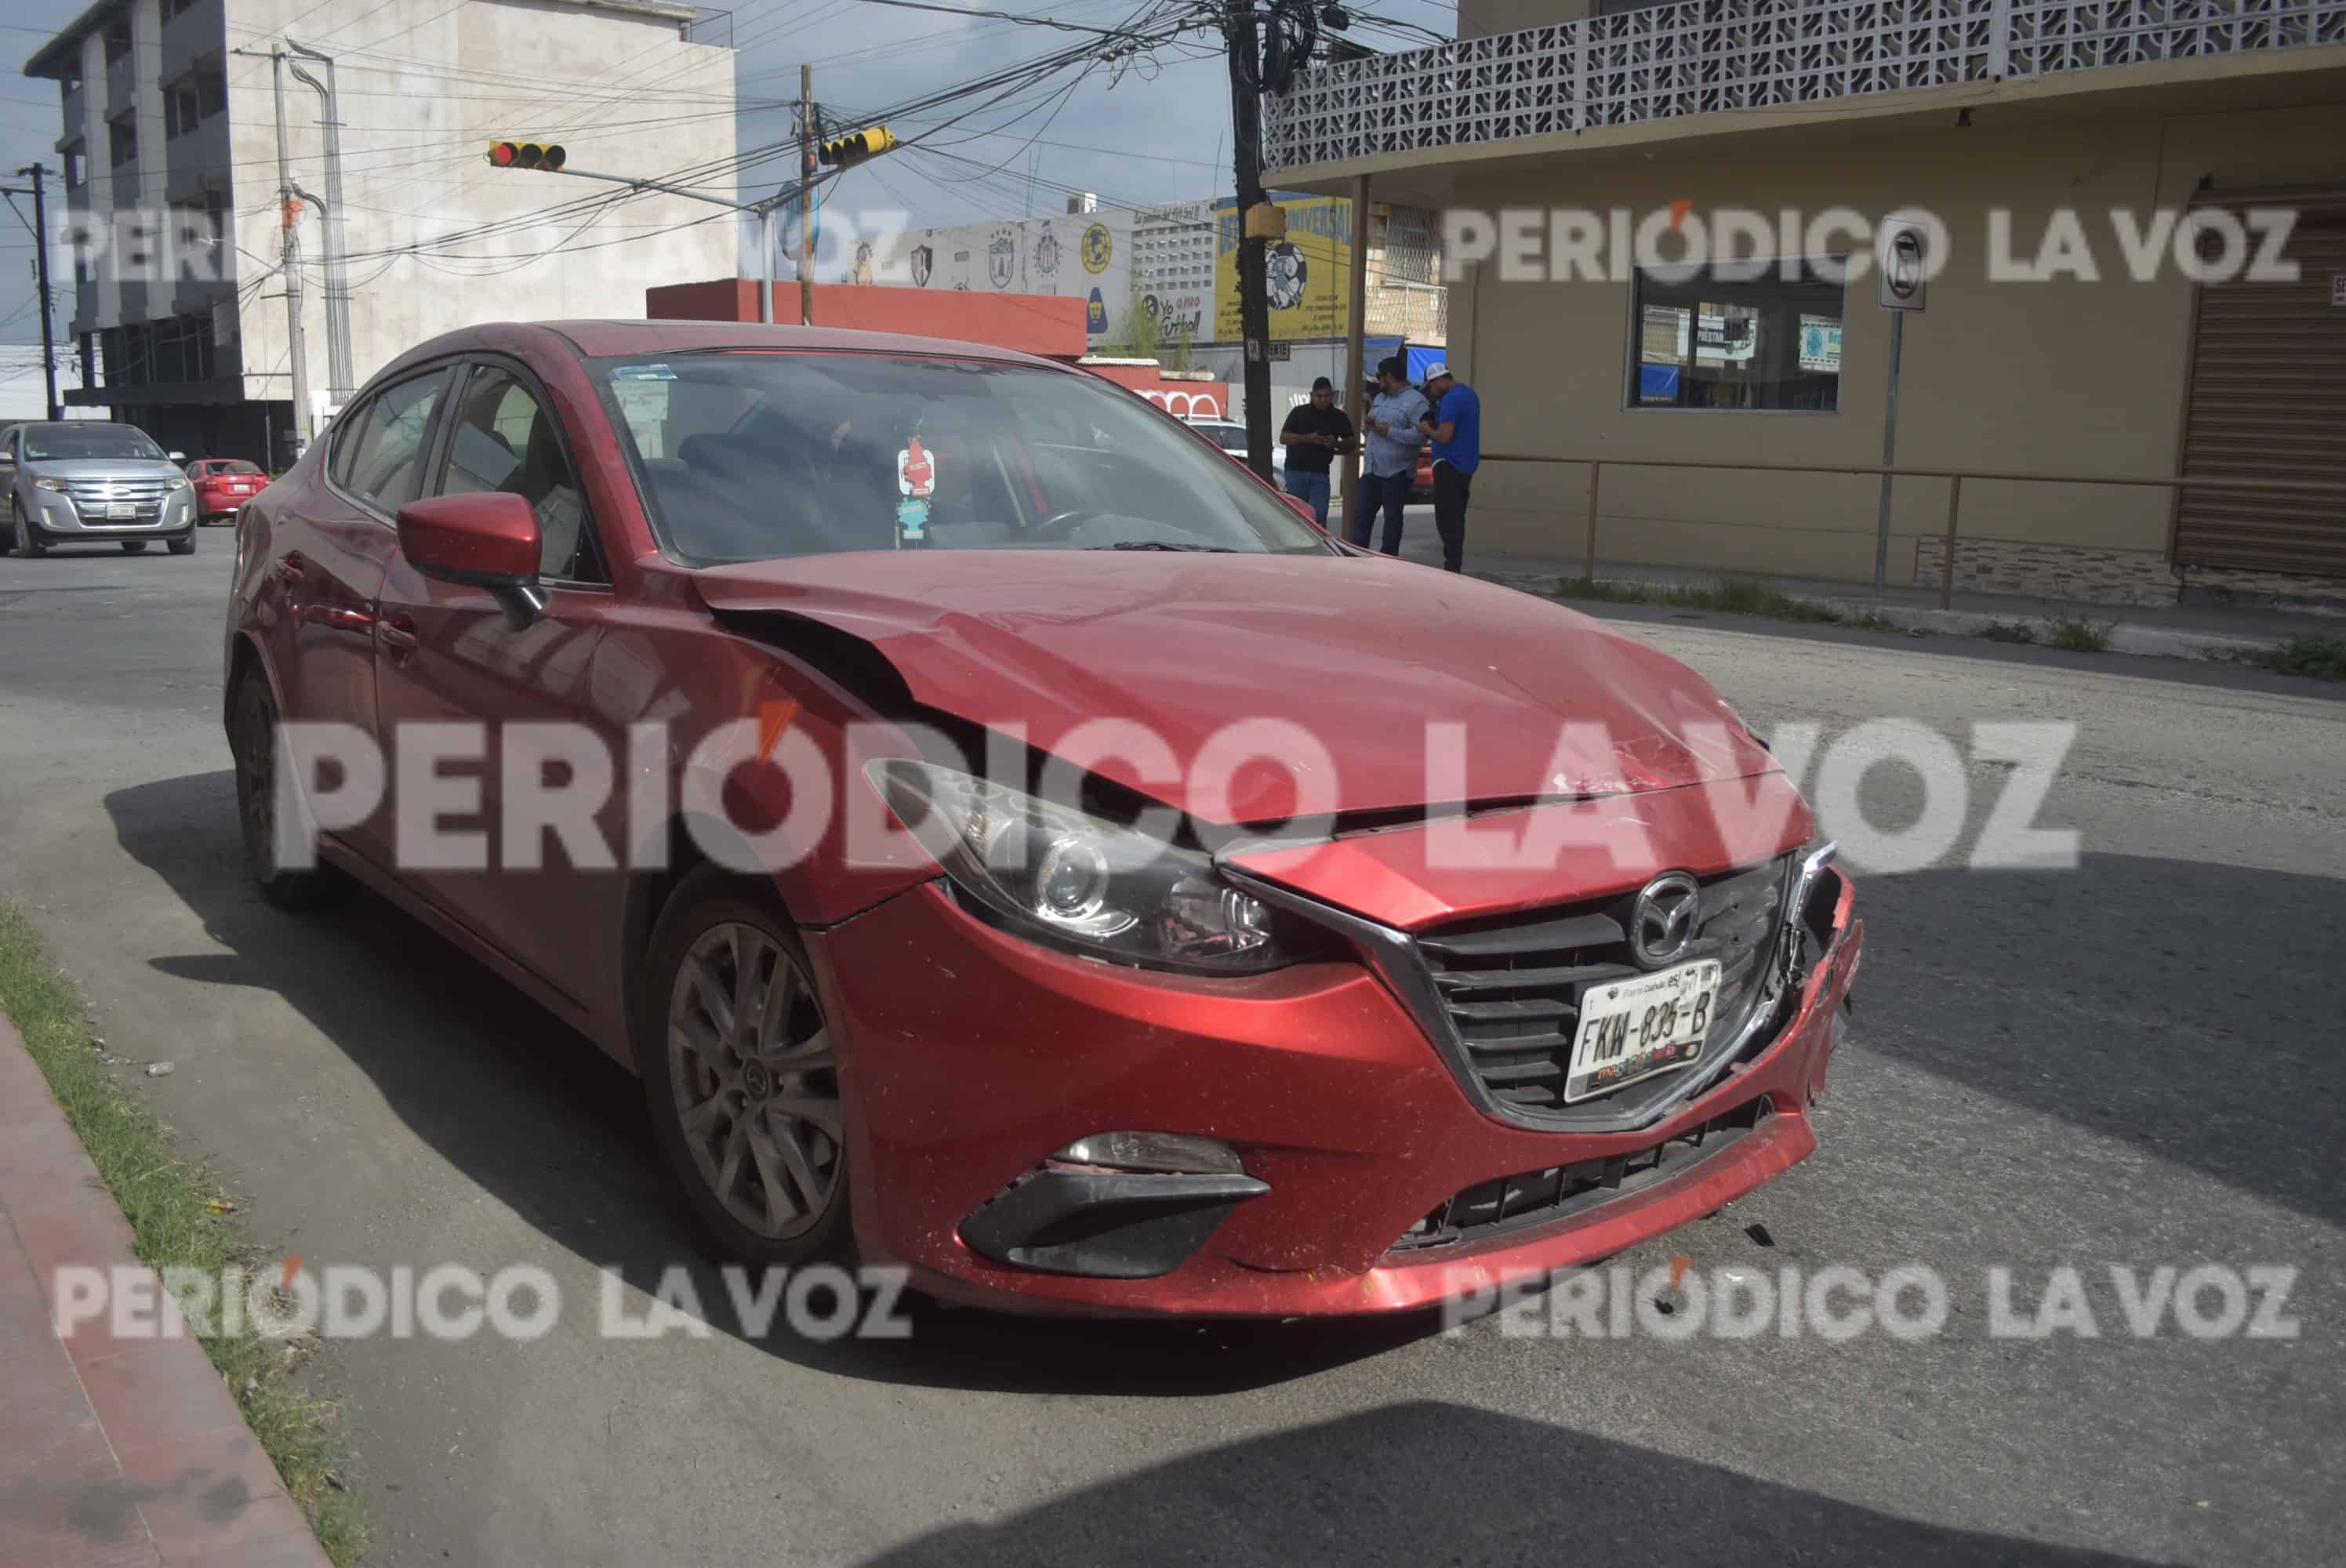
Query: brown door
x=2268, y=399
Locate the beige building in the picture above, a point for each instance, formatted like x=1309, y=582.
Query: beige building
x=171, y=266
x=2009, y=120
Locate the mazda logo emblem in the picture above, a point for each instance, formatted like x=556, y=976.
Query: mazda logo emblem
x=1662, y=922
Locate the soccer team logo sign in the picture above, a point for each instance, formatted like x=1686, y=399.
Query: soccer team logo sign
x=1002, y=258
x=1099, y=248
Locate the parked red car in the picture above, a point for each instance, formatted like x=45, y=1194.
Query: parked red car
x=223, y=484
x=1019, y=862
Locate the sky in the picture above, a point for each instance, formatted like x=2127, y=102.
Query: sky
x=1156, y=130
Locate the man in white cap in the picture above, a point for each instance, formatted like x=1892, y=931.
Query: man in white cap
x=1455, y=430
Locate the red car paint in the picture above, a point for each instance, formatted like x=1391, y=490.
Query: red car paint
x=223, y=484
x=969, y=1052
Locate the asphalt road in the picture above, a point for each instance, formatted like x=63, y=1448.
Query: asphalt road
x=2133, y=1062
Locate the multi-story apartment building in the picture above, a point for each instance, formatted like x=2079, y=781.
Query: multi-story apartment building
x=170, y=146
x=2136, y=265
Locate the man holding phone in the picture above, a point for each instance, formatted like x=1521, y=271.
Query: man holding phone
x=1455, y=428
x=1313, y=434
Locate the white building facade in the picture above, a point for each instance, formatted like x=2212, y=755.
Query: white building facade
x=170, y=144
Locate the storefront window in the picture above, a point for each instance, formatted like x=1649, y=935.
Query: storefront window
x=1773, y=341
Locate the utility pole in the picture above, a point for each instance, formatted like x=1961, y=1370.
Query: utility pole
x=34, y=172
x=289, y=262
x=809, y=133
x=1254, y=292
x=340, y=384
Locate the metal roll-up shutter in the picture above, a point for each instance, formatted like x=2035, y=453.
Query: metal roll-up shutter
x=2268, y=399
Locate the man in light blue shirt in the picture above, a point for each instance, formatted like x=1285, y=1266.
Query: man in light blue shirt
x=1456, y=426
x=1389, y=465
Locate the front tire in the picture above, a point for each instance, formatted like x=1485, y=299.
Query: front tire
x=29, y=543
x=253, y=743
x=740, y=1076
x=134, y=547
x=184, y=544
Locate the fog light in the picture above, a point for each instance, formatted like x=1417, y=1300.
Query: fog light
x=1176, y=1153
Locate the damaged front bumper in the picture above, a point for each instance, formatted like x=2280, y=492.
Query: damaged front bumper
x=1372, y=1181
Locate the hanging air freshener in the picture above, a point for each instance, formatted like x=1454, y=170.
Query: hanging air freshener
x=916, y=481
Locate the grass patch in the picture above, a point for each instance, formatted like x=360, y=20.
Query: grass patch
x=2323, y=658
x=2080, y=634
x=2009, y=632
x=1728, y=595
x=174, y=1211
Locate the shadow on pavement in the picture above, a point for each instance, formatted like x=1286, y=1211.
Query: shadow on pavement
x=547, y=1125
x=1435, y=1484
x=2189, y=1008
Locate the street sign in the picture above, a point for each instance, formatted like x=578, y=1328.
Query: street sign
x=1902, y=257
x=1279, y=353
x=2338, y=290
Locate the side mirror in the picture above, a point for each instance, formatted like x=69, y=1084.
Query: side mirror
x=484, y=541
x=1302, y=508
x=178, y=457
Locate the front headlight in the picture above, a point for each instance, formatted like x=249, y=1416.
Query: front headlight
x=178, y=482
x=1076, y=879
x=58, y=485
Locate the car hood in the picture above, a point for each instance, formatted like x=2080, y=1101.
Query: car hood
x=1338, y=666
x=103, y=468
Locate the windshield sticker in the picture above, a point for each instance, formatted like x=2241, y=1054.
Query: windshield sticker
x=912, y=521
x=642, y=374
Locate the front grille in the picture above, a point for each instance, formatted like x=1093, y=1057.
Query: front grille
x=1542, y=1198
x=1511, y=987
x=91, y=497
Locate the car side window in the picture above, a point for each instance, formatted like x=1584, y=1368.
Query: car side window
x=505, y=439
x=379, y=456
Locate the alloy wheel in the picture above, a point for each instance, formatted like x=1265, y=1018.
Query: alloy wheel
x=756, y=1081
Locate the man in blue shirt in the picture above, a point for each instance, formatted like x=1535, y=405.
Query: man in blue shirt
x=1455, y=428
x=1391, y=467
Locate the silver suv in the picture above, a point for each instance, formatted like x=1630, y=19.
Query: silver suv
x=85, y=481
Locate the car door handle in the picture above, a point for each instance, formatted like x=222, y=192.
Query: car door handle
x=397, y=635
x=340, y=617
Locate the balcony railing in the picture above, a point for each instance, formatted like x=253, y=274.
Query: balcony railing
x=1712, y=56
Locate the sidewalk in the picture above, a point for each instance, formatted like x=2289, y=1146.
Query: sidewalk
x=2170, y=631
x=111, y=1451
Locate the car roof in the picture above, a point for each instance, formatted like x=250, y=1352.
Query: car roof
x=605, y=339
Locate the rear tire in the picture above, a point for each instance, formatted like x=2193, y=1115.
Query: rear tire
x=29, y=543
x=184, y=544
x=253, y=743
x=134, y=547
x=740, y=1076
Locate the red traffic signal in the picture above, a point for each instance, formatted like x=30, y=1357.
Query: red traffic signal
x=525, y=154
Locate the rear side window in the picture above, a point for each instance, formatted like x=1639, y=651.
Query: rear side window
x=379, y=456
x=503, y=438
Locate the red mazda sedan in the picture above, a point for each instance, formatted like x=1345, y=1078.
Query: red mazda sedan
x=223, y=484
x=1008, y=842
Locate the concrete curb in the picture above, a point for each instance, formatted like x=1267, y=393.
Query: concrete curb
x=2125, y=638
x=118, y=1450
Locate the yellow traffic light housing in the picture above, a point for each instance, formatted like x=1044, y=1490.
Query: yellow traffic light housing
x=527, y=155
x=857, y=146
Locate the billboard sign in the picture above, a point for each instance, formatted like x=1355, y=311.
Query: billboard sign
x=1308, y=270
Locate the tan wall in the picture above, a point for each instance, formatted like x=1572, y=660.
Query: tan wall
x=1480, y=18
x=2033, y=377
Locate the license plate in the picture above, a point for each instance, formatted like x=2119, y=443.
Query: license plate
x=241, y=489
x=1633, y=1029
x=121, y=509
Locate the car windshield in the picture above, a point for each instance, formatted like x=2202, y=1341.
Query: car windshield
x=234, y=465
x=1228, y=437
x=746, y=455
x=65, y=443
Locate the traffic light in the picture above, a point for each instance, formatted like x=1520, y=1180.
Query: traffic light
x=857, y=146
x=525, y=154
